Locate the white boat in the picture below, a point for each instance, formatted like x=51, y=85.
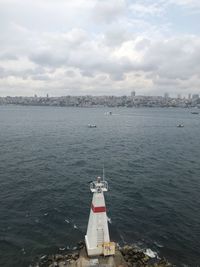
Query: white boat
x=108, y=113
x=180, y=125
x=92, y=126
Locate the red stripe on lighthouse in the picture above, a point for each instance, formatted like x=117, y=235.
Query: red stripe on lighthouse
x=98, y=209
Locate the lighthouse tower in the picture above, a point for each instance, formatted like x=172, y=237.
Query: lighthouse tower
x=97, y=238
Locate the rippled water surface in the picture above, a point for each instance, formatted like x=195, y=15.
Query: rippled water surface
x=48, y=156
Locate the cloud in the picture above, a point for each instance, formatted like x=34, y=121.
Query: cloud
x=8, y=56
x=143, y=9
x=140, y=63
x=95, y=46
x=175, y=58
x=108, y=11
x=186, y=3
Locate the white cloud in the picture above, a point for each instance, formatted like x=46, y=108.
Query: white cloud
x=94, y=46
x=108, y=11
x=186, y=3
x=142, y=9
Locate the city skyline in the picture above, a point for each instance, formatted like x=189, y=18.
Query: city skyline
x=132, y=93
x=133, y=100
x=93, y=47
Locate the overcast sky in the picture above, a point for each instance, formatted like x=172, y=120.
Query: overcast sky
x=98, y=47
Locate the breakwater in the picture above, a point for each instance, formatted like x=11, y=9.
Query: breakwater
x=127, y=256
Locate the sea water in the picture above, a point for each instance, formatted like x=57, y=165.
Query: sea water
x=48, y=156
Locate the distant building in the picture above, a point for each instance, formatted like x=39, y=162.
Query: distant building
x=179, y=96
x=189, y=96
x=35, y=96
x=133, y=94
x=166, y=95
x=195, y=96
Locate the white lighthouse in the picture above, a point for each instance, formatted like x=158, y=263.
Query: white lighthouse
x=97, y=238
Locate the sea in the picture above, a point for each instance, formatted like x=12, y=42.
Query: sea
x=49, y=155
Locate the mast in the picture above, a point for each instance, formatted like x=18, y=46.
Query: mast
x=103, y=173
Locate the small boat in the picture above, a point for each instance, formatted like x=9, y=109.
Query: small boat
x=194, y=112
x=92, y=126
x=108, y=113
x=180, y=125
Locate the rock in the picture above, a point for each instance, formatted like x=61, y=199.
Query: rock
x=68, y=256
x=125, y=250
x=145, y=259
x=62, y=264
x=54, y=264
x=140, y=263
x=59, y=257
x=140, y=255
x=164, y=263
x=50, y=258
x=126, y=257
x=81, y=244
x=135, y=257
x=75, y=256
x=131, y=252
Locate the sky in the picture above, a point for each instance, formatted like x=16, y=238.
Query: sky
x=99, y=47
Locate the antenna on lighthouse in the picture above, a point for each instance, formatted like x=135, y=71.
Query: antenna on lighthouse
x=103, y=173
